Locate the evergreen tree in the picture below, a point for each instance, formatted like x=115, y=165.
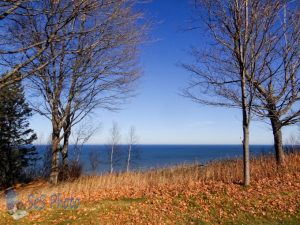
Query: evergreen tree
x=16, y=149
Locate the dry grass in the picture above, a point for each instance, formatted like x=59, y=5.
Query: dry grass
x=227, y=171
x=138, y=184
x=262, y=167
x=186, y=194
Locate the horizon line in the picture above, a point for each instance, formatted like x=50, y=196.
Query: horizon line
x=153, y=144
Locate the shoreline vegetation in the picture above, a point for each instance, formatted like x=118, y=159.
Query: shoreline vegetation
x=184, y=194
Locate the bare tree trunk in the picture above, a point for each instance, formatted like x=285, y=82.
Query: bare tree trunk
x=246, y=155
x=245, y=104
x=65, y=149
x=129, y=157
x=64, y=154
x=65, y=159
x=277, y=134
x=55, y=159
x=111, y=159
x=114, y=145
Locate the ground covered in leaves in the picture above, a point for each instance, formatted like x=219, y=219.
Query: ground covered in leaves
x=183, y=195
x=268, y=201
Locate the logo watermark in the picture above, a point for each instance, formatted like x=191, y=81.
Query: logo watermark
x=38, y=202
x=14, y=207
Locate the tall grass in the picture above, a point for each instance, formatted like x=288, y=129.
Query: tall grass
x=107, y=185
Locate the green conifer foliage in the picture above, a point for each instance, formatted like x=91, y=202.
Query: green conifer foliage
x=16, y=149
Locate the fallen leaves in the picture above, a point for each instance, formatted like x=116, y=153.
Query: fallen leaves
x=167, y=202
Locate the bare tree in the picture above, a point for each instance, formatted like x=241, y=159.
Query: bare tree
x=274, y=68
x=94, y=160
x=292, y=144
x=277, y=82
x=93, y=62
x=114, y=146
x=251, y=52
x=225, y=71
x=131, y=147
x=81, y=136
x=17, y=51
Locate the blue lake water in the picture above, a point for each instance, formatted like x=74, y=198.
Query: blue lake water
x=156, y=156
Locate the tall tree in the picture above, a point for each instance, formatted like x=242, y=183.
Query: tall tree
x=16, y=150
x=272, y=68
x=93, y=62
x=277, y=75
x=222, y=78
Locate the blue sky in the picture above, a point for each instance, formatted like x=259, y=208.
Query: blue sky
x=159, y=114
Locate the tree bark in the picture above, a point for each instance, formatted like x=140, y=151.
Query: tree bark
x=65, y=159
x=64, y=154
x=65, y=149
x=277, y=134
x=246, y=122
x=246, y=155
x=55, y=158
x=246, y=119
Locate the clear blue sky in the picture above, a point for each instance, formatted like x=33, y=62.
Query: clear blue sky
x=159, y=114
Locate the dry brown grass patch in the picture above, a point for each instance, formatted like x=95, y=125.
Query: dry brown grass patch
x=139, y=184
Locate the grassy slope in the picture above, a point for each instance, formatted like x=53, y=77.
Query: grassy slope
x=160, y=197
x=142, y=211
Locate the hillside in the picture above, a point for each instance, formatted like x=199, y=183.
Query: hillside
x=211, y=194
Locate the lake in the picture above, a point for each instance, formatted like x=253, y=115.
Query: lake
x=146, y=157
